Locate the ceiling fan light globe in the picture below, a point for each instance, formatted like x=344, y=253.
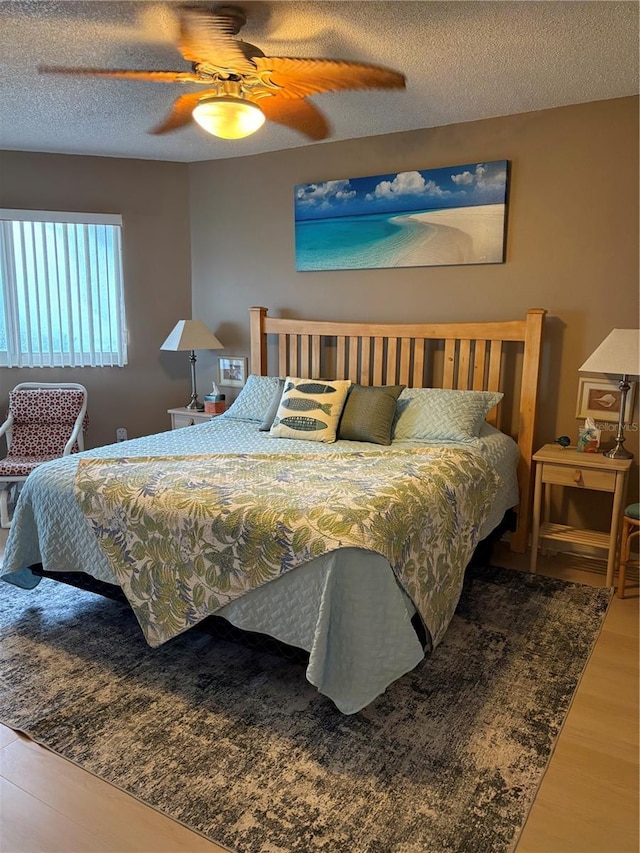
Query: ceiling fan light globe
x=228, y=117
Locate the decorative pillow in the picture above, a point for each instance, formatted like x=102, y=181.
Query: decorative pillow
x=437, y=414
x=369, y=412
x=272, y=411
x=310, y=409
x=254, y=399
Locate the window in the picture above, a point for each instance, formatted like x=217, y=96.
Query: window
x=61, y=292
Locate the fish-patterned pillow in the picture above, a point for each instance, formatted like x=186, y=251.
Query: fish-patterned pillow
x=310, y=409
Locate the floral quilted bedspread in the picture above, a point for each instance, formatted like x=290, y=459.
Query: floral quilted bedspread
x=186, y=535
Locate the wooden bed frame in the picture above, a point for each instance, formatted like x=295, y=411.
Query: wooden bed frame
x=497, y=356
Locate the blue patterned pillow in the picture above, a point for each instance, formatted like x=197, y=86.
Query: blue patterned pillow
x=437, y=414
x=254, y=399
x=310, y=409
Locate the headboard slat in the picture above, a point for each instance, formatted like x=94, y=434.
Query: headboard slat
x=341, y=356
x=283, y=367
x=365, y=360
x=479, y=365
x=417, y=377
x=316, y=369
x=378, y=360
x=464, y=363
x=495, y=366
x=353, y=359
x=448, y=373
x=304, y=356
x=293, y=355
x=405, y=360
x=392, y=361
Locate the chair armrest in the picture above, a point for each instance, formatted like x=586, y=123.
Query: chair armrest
x=77, y=434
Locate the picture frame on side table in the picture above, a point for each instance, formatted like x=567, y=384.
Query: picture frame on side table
x=232, y=371
x=600, y=399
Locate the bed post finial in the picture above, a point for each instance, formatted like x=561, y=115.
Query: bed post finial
x=257, y=317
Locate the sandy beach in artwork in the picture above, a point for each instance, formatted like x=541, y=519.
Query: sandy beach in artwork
x=461, y=235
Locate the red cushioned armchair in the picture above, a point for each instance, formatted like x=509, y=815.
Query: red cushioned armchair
x=45, y=421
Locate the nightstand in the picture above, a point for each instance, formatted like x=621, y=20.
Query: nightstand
x=188, y=417
x=565, y=466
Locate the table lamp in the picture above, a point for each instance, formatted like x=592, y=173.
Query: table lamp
x=618, y=355
x=190, y=335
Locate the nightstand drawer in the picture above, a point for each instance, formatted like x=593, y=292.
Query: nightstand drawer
x=188, y=417
x=585, y=478
x=184, y=420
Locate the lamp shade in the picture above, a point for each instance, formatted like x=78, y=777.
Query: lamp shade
x=191, y=335
x=228, y=117
x=619, y=353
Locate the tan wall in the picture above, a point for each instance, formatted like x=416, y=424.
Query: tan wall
x=572, y=242
x=153, y=200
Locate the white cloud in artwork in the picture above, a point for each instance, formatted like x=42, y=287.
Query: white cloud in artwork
x=463, y=178
x=481, y=178
x=323, y=195
x=406, y=183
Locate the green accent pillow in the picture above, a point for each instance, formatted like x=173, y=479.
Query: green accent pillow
x=369, y=412
x=310, y=409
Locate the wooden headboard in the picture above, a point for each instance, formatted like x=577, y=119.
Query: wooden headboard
x=497, y=356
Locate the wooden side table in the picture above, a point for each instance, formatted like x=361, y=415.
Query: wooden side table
x=564, y=466
x=188, y=417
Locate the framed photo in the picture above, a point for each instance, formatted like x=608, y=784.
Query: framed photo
x=232, y=371
x=600, y=399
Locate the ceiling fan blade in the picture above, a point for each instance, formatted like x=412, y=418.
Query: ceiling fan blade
x=206, y=37
x=302, y=77
x=153, y=76
x=181, y=112
x=297, y=114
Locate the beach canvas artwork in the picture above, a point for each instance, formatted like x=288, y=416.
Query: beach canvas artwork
x=433, y=217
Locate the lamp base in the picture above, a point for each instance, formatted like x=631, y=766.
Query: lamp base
x=618, y=452
x=195, y=405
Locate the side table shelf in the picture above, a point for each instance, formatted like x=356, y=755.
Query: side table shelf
x=567, y=467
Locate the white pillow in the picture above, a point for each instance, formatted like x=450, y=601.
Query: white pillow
x=439, y=414
x=310, y=409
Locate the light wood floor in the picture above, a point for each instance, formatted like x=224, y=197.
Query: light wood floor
x=587, y=803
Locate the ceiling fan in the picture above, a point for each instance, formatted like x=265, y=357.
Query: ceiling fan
x=243, y=86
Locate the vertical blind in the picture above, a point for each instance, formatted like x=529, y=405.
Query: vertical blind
x=62, y=299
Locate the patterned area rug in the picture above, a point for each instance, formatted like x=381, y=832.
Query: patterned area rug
x=234, y=743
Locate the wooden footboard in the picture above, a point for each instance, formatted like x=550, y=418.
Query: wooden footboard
x=497, y=356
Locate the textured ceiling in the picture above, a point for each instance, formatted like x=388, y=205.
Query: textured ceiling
x=462, y=60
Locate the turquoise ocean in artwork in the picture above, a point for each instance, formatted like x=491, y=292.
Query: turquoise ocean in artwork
x=356, y=242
